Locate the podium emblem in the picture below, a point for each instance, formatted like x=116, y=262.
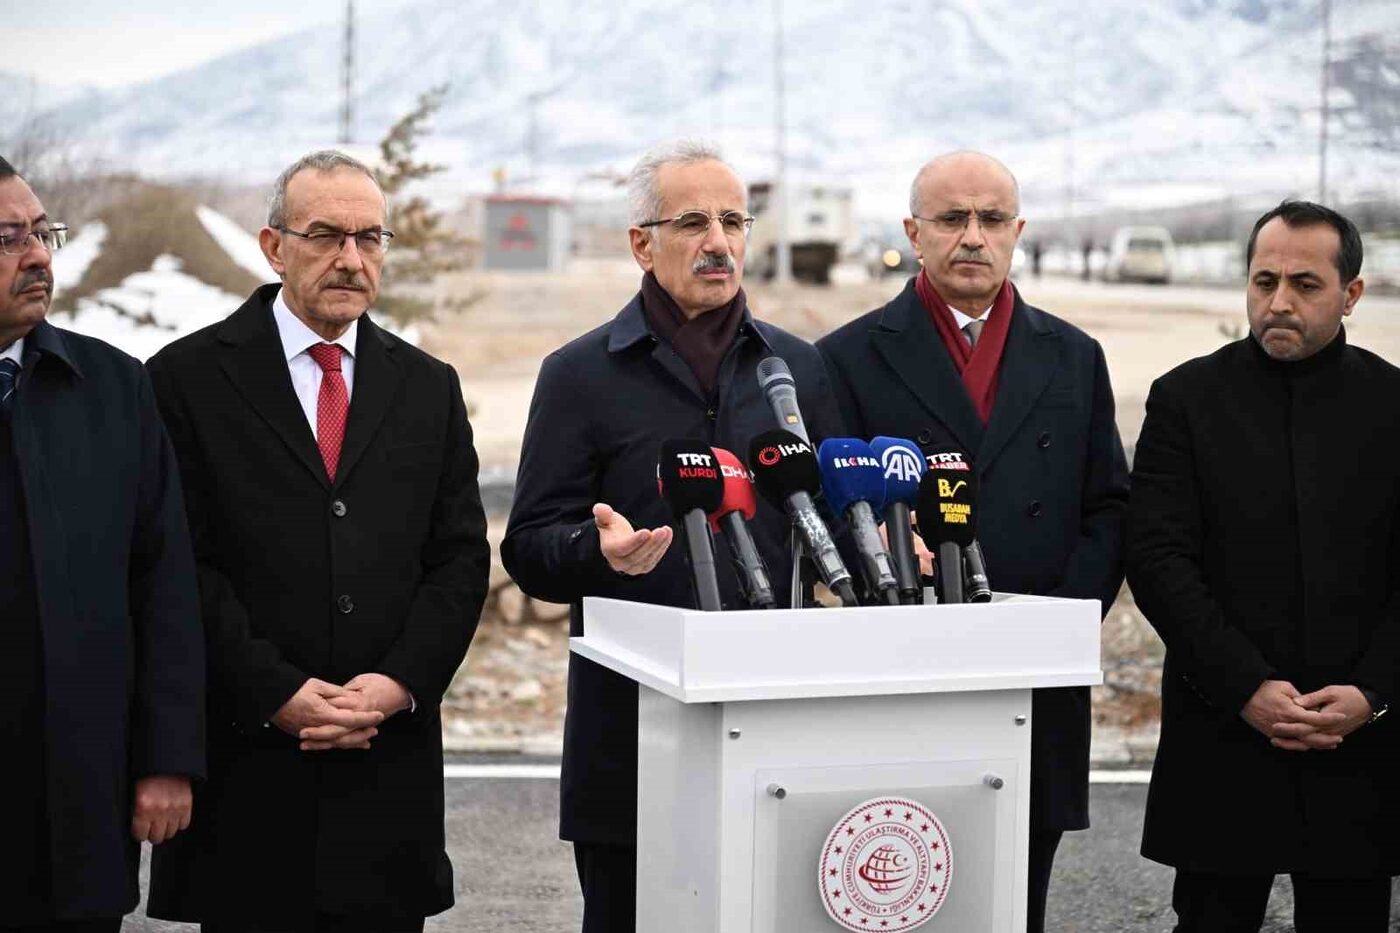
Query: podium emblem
x=886, y=866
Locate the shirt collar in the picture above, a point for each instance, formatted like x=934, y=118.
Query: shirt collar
x=297, y=338
x=14, y=351
x=965, y=319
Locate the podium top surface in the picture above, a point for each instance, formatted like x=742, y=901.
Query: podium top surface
x=1012, y=643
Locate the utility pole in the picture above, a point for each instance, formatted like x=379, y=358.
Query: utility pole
x=782, y=260
x=347, y=78
x=1325, y=109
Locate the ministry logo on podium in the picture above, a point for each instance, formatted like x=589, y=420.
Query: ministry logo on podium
x=886, y=866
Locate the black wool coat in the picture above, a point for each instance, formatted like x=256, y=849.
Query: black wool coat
x=1054, y=481
x=383, y=570
x=1264, y=543
x=603, y=405
x=122, y=674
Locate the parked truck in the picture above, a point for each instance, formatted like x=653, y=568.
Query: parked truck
x=821, y=220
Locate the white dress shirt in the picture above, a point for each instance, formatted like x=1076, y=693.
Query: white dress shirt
x=963, y=320
x=306, y=373
x=14, y=351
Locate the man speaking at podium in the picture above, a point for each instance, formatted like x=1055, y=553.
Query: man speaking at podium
x=1264, y=547
x=679, y=361
x=959, y=360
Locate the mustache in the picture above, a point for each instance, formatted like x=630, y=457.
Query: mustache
x=968, y=255
x=350, y=281
x=713, y=262
x=1280, y=323
x=33, y=277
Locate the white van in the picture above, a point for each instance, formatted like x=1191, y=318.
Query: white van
x=1140, y=254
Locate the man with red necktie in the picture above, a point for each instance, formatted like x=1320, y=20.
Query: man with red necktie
x=342, y=556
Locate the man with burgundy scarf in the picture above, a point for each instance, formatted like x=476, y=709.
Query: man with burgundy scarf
x=342, y=558
x=679, y=361
x=959, y=361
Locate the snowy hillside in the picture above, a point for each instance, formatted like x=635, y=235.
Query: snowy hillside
x=1107, y=102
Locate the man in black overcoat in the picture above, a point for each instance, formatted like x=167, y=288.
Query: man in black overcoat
x=341, y=547
x=959, y=361
x=1264, y=547
x=679, y=361
x=101, y=652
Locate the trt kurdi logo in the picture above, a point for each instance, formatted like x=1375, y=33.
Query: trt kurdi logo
x=886, y=866
x=770, y=455
x=696, y=466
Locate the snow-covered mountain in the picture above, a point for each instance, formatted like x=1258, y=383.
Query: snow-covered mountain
x=1113, y=101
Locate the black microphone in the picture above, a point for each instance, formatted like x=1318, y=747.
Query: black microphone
x=732, y=517
x=978, y=588
x=775, y=379
x=946, y=498
x=785, y=471
x=688, y=474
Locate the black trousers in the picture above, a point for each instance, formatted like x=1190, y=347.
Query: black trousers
x=323, y=923
x=105, y=925
x=607, y=874
x=1208, y=903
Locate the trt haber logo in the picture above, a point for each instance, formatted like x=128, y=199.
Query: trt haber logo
x=900, y=464
x=947, y=462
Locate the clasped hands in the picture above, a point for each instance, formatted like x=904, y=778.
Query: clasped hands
x=325, y=716
x=1300, y=722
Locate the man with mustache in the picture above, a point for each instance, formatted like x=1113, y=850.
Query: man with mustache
x=101, y=654
x=679, y=361
x=1264, y=547
x=342, y=555
x=959, y=360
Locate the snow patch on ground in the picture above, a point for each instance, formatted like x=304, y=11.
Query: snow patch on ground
x=241, y=246
x=71, y=262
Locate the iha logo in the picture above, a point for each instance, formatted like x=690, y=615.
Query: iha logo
x=886, y=866
x=900, y=464
x=769, y=456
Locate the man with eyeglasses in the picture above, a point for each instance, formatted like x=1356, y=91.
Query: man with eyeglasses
x=959, y=360
x=342, y=554
x=101, y=651
x=679, y=361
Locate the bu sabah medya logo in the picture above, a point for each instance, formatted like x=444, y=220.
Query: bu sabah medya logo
x=886, y=866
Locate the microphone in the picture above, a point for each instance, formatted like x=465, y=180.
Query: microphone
x=775, y=379
x=904, y=467
x=854, y=485
x=978, y=588
x=785, y=471
x=732, y=516
x=690, y=482
x=946, y=498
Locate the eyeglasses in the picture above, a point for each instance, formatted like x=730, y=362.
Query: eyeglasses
x=735, y=224
x=372, y=242
x=14, y=239
x=957, y=221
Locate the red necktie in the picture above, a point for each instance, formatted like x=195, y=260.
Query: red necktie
x=332, y=405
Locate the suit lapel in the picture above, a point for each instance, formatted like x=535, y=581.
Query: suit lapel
x=253, y=359
x=1028, y=364
x=910, y=344
x=376, y=384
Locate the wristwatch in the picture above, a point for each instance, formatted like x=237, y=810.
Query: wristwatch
x=1379, y=707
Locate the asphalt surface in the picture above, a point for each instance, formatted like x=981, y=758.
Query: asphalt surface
x=513, y=874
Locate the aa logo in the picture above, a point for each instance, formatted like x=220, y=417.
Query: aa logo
x=947, y=490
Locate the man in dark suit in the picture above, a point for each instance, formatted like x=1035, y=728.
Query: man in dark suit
x=1264, y=547
x=679, y=361
x=341, y=547
x=959, y=361
x=101, y=651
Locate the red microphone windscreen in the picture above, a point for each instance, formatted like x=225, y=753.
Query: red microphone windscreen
x=738, y=488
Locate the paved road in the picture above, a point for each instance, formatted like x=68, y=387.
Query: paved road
x=514, y=875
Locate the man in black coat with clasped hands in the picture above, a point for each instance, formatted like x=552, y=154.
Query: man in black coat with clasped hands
x=1264, y=547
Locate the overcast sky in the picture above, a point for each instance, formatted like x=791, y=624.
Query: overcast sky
x=105, y=44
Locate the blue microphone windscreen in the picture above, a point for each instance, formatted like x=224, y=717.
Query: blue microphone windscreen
x=850, y=473
x=904, y=466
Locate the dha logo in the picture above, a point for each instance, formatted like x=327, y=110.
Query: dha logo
x=840, y=463
x=734, y=472
x=900, y=464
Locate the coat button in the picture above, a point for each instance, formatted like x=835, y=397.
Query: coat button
x=345, y=604
x=925, y=436
x=1035, y=509
x=338, y=509
x=711, y=413
x=1044, y=440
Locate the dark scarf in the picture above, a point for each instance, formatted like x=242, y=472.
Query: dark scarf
x=979, y=366
x=701, y=341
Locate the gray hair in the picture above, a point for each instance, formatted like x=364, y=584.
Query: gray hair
x=322, y=160
x=915, y=208
x=643, y=192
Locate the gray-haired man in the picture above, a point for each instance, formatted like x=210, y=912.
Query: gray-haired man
x=342, y=558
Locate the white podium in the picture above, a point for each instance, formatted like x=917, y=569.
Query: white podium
x=760, y=732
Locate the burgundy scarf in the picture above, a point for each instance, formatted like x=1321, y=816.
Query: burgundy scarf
x=701, y=341
x=980, y=365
